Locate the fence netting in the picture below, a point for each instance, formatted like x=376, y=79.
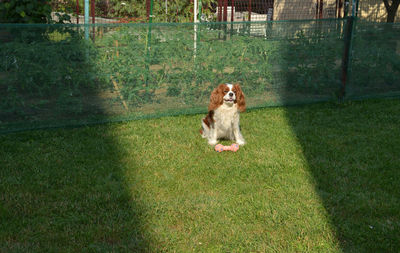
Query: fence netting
x=375, y=66
x=57, y=75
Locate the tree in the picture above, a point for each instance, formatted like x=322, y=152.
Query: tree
x=391, y=9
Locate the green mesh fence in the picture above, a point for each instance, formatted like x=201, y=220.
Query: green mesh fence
x=54, y=76
x=375, y=66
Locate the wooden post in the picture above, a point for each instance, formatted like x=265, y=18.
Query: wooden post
x=219, y=19
x=321, y=9
x=116, y=87
x=225, y=10
x=249, y=10
x=232, y=8
x=148, y=9
x=77, y=11
x=116, y=47
x=92, y=10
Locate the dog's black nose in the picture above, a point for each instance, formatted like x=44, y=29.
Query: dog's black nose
x=230, y=94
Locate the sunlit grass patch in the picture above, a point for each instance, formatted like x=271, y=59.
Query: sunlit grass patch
x=307, y=180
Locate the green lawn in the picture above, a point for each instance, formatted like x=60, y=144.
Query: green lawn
x=321, y=178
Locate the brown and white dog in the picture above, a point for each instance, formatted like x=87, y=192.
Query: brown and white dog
x=222, y=120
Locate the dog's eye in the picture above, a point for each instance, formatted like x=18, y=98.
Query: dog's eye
x=226, y=91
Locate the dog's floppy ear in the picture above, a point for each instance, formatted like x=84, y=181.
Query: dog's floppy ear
x=216, y=98
x=240, y=101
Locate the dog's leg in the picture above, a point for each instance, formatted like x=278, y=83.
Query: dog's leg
x=236, y=132
x=212, y=138
x=209, y=131
x=205, y=130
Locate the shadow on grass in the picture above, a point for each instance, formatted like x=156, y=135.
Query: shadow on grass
x=352, y=148
x=352, y=152
x=69, y=192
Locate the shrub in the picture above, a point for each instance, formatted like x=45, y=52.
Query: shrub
x=25, y=11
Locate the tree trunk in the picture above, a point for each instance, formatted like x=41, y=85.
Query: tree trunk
x=391, y=10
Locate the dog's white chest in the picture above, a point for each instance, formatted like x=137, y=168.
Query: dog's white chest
x=225, y=116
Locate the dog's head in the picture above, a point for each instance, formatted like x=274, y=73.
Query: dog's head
x=229, y=94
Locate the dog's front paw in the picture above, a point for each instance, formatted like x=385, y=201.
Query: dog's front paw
x=241, y=142
x=212, y=142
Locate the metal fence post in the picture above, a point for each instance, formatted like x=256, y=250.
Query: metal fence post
x=148, y=43
x=86, y=19
x=200, y=10
x=347, y=54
